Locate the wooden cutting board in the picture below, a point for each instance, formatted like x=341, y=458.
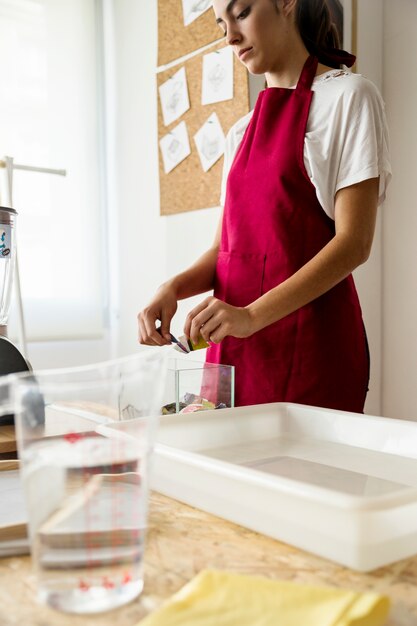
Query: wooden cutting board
x=7, y=439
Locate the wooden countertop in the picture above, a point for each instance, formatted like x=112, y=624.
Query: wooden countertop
x=181, y=542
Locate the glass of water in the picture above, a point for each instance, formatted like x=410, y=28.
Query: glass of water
x=85, y=480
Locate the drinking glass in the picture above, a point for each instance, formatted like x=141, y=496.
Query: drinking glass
x=85, y=483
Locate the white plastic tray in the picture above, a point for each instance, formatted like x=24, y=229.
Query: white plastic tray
x=337, y=484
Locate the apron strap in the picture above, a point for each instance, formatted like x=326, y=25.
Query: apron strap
x=331, y=57
x=307, y=74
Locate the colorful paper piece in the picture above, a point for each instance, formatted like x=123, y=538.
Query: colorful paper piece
x=210, y=142
x=175, y=147
x=174, y=97
x=217, y=76
x=192, y=9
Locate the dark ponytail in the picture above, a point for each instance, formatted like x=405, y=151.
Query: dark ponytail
x=318, y=31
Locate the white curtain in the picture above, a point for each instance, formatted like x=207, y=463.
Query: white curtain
x=48, y=117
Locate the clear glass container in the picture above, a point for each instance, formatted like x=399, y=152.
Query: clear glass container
x=7, y=260
x=195, y=385
x=85, y=483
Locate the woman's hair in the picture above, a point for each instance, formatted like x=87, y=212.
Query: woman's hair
x=317, y=29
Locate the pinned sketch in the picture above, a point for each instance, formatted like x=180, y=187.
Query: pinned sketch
x=192, y=9
x=210, y=142
x=174, y=97
x=175, y=147
x=217, y=76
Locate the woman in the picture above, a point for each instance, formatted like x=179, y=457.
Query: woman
x=309, y=168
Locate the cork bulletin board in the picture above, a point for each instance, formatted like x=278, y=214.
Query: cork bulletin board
x=187, y=187
x=174, y=39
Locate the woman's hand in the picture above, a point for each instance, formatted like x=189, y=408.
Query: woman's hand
x=162, y=308
x=214, y=320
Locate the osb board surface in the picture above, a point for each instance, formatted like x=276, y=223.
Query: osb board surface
x=187, y=187
x=176, y=40
x=181, y=542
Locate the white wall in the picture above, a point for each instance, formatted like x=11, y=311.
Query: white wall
x=400, y=215
x=141, y=231
x=368, y=277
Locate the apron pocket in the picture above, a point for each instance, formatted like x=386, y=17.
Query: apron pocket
x=238, y=279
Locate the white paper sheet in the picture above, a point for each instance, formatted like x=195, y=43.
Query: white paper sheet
x=174, y=97
x=217, y=76
x=210, y=142
x=175, y=147
x=192, y=9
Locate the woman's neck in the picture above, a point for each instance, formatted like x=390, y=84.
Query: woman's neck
x=286, y=70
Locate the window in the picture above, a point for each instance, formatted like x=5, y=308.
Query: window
x=48, y=118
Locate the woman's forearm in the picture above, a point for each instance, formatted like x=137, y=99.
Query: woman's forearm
x=198, y=278
x=355, y=213
x=330, y=266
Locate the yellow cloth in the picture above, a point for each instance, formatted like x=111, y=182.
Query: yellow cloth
x=215, y=598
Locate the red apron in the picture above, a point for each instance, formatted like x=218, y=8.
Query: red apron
x=273, y=225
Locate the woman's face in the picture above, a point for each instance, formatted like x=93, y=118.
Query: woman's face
x=258, y=31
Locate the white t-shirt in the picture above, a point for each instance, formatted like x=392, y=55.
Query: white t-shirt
x=346, y=138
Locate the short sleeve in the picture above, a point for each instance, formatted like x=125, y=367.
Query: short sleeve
x=347, y=138
x=364, y=152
